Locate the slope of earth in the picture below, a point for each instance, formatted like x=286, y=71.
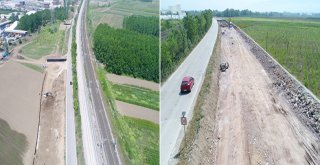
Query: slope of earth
x=19, y=102
x=52, y=124
x=253, y=123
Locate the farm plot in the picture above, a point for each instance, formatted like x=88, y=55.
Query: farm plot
x=294, y=43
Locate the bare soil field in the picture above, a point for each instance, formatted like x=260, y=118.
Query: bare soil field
x=254, y=122
x=137, y=112
x=133, y=81
x=20, y=101
x=52, y=124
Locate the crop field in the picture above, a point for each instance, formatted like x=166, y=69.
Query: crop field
x=147, y=138
x=45, y=43
x=294, y=43
x=114, y=13
x=13, y=144
x=138, y=139
x=136, y=95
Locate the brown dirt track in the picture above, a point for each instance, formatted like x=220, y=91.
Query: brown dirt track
x=254, y=123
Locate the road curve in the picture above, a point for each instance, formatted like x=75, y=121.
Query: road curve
x=98, y=141
x=172, y=104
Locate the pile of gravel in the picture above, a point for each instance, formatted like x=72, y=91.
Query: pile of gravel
x=304, y=103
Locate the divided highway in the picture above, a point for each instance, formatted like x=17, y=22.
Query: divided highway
x=98, y=141
x=173, y=104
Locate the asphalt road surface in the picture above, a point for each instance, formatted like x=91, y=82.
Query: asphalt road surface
x=98, y=141
x=173, y=104
x=71, y=151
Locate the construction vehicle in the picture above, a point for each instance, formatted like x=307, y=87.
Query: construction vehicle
x=6, y=49
x=224, y=66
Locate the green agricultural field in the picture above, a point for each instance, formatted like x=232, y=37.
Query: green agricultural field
x=33, y=66
x=147, y=138
x=114, y=13
x=13, y=145
x=138, y=139
x=136, y=95
x=45, y=43
x=294, y=43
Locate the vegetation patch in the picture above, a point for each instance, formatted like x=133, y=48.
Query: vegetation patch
x=33, y=66
x=13, y=145
x=138, y=139
x=136, y=95
x=34, y=21
x=142, y=24
x=294, y=44
x=147, y=137
x=178, y=38
x=127, y=53
x=45, y=43
x=79, y=144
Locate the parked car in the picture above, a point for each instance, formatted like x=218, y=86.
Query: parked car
x=187, y=84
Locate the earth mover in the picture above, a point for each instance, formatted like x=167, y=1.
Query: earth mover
x=224, y=66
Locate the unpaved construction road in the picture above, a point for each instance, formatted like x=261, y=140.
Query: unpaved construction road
x=254, y=124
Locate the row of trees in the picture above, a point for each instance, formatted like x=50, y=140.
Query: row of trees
x=249, y=13
x=34, y=21
x=142, y=24
x=181, y=38
x=127, y=52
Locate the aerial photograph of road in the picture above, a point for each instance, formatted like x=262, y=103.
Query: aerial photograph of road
x=159, y=82
x=240, y=82
x=73, y=90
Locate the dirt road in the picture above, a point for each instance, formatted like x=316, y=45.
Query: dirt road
x=136, y=111
x=50, y=148
x=133, y=81
x=254, y=125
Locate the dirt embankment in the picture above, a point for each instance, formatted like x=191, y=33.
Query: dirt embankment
x=50, y=148
x=197, y=147
x=306, y=106
x=254, y=121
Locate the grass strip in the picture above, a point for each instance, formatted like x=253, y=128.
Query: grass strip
x=135, y=95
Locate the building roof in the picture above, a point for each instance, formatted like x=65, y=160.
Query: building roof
x=16, y=31
x=13, y=26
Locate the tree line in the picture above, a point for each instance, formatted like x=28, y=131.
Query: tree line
x=248, y=13
x=127, y=52
x=142, y=24
x=180, y=39
x=34, y=21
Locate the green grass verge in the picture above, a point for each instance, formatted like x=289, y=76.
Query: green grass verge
x=13, y=145
x=136, y=95
x=294, y=43
x=138, y=139
x=147, y=137
x=33, y=66
x=45, y=43
x=79, y=144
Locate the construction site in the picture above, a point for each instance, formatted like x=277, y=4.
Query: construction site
x=256, y=112
x=38, y=112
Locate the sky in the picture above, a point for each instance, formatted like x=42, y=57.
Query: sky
x=301, y=6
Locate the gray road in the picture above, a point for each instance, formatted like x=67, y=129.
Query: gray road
x=172, y=104
x=98, y=141
x=71, y=151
